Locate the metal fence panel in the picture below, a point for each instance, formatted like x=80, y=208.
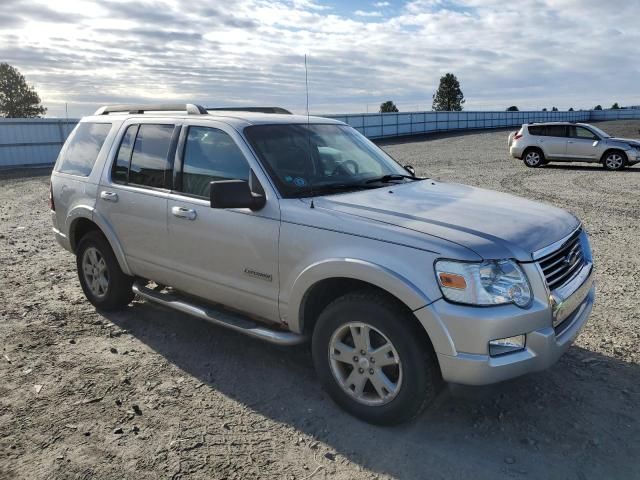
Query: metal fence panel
x=38, y=140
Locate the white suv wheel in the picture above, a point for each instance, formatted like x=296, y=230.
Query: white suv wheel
x=533, y=159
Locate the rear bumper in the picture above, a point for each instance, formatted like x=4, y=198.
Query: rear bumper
x=516, y=151
x=544, y=343
x=62, y=239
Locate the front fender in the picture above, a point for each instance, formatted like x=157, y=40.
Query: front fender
x=90, y=213
x=397, y=285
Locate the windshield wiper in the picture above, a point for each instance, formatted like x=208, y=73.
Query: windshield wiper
x=333, y=187
x=390, y=177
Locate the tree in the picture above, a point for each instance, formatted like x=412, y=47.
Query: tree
x=512, y=108
x=598, y=107
x=448, y=97
x=554, y=109
x=388, y=107
x=17, y=99
x=571, y=109
x=615, y=106
x=544, y=109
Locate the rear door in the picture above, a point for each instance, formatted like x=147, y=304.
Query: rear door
x=228, y=256
x=132, y=197
x=554, y=141
x=582, y=144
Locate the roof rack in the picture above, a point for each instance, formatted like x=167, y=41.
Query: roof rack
x=252, y=109
x=159, y=107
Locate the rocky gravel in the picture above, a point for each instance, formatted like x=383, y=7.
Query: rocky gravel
x=151, y=393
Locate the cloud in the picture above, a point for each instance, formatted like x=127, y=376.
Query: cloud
x=532, y=53
x=362, y=13
x=381, y=4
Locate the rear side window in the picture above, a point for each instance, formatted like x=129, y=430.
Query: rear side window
x=209, y=155
x=83, y=148
x=536, y=130
x=143, y=156
x=556, y=131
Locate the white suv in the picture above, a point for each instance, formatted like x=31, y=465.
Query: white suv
x=285, y=228
x=540, y=143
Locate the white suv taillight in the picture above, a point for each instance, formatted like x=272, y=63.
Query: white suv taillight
x=518, y=135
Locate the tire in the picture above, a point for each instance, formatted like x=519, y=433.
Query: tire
x=104, y=283
x=534, y=158
x=614, y=160
x=413, y=382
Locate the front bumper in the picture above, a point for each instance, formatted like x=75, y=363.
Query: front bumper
x=462, y=334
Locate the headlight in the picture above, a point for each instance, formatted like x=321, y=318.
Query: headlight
x=494, y=282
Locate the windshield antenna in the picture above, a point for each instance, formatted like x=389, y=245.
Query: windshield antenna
x=306, y=85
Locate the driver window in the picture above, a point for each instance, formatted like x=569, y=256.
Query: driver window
x=581, y=132
x=210, y=155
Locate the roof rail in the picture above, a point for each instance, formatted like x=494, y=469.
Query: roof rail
x=251, y=109
x=158, y=107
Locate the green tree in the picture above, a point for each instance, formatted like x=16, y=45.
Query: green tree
x=512, y=108
x=598, y=107
x=388, y=107
x=448, y=97
x=544, y=109
x=615, y=106
x=17, y=99
x=571, y=109
x=554, y=109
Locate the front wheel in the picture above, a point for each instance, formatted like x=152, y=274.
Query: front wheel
x=614, y=161
x=104, y=283
x=373, y=360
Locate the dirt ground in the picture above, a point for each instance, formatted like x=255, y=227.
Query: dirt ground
x=150, y=393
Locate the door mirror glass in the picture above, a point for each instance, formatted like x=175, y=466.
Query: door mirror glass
x=234, y=194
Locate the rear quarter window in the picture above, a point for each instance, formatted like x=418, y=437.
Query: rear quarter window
x=537, y=130
x=83, y=147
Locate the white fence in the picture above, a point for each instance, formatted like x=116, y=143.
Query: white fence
x=37, y=141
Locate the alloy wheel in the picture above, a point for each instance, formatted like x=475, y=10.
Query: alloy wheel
x=365, y=363
x=96, y=274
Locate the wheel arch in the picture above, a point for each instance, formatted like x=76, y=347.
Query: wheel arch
x=322, y=282
x=614, y=149
x=534, y=147
x=83, y=220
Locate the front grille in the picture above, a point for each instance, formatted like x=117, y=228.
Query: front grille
x=562, y=265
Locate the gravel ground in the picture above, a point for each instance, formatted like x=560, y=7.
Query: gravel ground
x=149, y=393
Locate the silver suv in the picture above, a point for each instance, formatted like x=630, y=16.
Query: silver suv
x=288, y=228
x=540, y=143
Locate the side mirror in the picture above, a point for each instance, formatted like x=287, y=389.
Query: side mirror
x=235, y=194
x=410, y=169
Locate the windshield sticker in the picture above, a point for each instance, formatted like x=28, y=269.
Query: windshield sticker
x=299, y=182
x=288, y=179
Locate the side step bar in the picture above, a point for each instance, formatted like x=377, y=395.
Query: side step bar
x=219, y=317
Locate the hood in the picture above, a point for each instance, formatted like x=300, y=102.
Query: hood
x=492, y=224
x=630, y=141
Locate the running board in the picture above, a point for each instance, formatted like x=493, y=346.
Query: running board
x=219, y=317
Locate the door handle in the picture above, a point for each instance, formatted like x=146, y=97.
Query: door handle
x=181, y=212
x=109, y=196
x=570, y=141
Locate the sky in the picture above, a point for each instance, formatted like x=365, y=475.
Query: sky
x=529, y=53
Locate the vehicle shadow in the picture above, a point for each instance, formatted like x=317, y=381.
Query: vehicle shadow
x=573, y=421
x=585, y=168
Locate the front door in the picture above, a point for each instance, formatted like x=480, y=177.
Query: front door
x=582, y=144
x=229, y=256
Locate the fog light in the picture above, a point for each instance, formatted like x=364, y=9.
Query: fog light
x=501, y=346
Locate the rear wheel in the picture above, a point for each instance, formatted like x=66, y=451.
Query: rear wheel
x=614, y=160
x=533, y=158
x=104, y=283
x=373, y=360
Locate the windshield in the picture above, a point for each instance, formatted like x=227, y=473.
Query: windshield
x=599, y=132
x=303, y=159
